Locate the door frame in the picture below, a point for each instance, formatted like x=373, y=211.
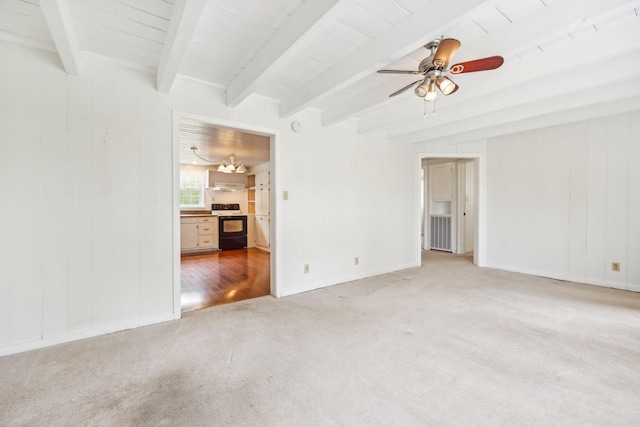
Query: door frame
x=273, y=135
x=480, y=205
x=462, y=210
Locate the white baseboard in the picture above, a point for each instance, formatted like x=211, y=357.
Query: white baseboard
x=80, y=335
x=344, y=279
x=568, y=277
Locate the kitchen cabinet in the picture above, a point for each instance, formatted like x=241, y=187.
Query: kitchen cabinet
x=263, y=224
x=262, y=193
x=198, y=233
x=188, y=233
x=251, y=231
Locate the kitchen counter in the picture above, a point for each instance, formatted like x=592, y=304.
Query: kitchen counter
x=191, y=215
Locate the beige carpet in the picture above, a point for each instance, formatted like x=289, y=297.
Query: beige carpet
x=445, y=344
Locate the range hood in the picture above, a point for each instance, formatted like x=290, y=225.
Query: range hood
x=227, y=186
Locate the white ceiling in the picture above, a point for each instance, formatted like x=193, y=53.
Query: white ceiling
x=559, y=55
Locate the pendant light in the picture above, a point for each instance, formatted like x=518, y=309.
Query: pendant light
x=226, y=165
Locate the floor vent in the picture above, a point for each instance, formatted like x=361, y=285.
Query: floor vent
x=441, y=232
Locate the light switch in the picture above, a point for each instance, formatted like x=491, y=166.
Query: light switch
x=285, y=195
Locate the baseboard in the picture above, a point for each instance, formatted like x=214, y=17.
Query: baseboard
x=346, y=278
x=568, y=278
x=80, y=335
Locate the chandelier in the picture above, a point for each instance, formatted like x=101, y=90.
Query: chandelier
x=226, y=165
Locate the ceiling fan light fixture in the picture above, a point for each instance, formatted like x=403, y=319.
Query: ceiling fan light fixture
x=433, y=66
x=431, y=94
x=222, y=168
x=421, y=90
x=446, y=85
x=241, y=168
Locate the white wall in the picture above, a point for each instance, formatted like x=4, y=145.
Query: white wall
x=564, y=201
x=561, y=201
x=344, y=201
x=87, y=198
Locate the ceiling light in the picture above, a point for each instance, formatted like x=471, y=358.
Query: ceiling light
x=446, y=85
x=431, y=94
x=421, y=90
x=226, y=165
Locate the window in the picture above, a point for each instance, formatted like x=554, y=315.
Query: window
x=192, y=184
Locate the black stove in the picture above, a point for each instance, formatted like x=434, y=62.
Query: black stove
x=232, y=226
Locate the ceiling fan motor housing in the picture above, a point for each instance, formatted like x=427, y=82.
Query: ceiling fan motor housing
x=426, y=64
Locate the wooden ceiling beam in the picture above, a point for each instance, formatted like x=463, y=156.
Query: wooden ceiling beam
x=184, y=21
x=58, y=18
x=306, y=25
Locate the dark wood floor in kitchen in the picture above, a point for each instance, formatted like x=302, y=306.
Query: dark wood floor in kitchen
x=223, y=277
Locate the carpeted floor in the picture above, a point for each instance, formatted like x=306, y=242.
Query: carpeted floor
x=445, y=344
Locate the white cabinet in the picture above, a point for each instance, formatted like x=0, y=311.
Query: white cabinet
x=198, y=233
x=251, y=231
x=262, y=193
x=258, y=203
x=188, y=233
x=263, y=223
x=262, y=219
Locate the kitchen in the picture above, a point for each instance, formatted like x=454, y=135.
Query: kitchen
x=224, y=215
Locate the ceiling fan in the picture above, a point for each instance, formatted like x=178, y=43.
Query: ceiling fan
x=432, y=67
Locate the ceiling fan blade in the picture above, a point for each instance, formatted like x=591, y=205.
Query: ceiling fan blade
x=490, y=63
x=399, y=72
x=446, y=49
x=405, y=88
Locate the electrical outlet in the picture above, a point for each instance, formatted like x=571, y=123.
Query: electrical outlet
x=615, y=266
x=285, y=195
x=306, y=268
x=356, y=261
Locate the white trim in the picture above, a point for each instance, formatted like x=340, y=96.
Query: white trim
x=568, y=278
x=145, y=69
x=80, y=335
x=347, y=278
x=24, y=41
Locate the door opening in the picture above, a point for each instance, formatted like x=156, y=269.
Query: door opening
x=225, y=265
x=449, y=204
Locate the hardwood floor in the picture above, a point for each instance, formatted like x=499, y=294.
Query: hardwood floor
x=222, y=277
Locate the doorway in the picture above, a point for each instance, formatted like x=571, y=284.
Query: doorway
x=450, y=199
x=206, y=276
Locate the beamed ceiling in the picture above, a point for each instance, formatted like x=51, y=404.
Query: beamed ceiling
x=560, y=55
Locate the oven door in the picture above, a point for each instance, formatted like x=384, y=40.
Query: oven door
x=232, y=231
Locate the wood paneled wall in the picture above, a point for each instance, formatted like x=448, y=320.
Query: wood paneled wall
x=87, y=209
x=564, y=201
